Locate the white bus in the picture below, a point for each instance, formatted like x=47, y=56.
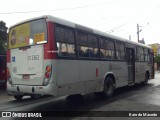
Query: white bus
x=51, y=56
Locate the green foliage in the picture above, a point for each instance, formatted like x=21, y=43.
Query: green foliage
x=157, y=59
x=3, y=37
x=3, y=31
x=3, y=47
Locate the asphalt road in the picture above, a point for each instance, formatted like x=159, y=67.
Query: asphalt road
x=135, y=98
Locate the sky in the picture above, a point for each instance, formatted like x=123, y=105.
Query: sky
x=116, y=17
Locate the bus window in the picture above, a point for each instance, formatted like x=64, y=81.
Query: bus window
x=27, y=34
x=82, y=44
x=120, y=53
x=93, y=46
x=140, y=54
x=110, y=51
x=87, y=45
x=106, y=48
x=146, y=55
x=65, y=42
x=103, y=46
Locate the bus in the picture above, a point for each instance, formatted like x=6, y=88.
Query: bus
x=3, y=73
x=3, y=64
x=52, y=56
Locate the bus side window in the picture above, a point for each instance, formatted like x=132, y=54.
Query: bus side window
x=65, y=42
x=102, y=53
x=120, y=53
x=103, y=46
x=83, y=51
x=107, y=49
x=93, y=46
x=146, y=55
x=82, y=44
x=62, y=49
x=140, y=54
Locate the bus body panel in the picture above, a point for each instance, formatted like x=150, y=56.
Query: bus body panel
x=51, y=89
x=121, y=78
x=27, y=65
x=141, y=69
x=75, y=77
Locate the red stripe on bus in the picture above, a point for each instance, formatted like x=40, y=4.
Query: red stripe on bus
x=8, y=56
x=96, y=72
x=49, y=48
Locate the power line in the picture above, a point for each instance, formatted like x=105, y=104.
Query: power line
x=61, y=9
x=110, y=31
x=43, y=10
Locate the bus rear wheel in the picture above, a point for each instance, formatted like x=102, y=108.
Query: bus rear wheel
x=18, y=97
x=108, y=88
x=146, y=79
x=35, y=96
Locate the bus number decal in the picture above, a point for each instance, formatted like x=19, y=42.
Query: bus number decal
x=33, y=57
x=13, y=59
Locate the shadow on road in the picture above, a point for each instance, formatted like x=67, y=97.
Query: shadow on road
x=87, y=102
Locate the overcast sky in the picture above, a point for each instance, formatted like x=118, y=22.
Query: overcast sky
x=117, y=17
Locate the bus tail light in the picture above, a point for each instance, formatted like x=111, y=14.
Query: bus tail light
x=47, y=76
x=9, y=77
x=48, y=68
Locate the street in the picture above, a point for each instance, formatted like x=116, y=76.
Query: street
x=134, y=98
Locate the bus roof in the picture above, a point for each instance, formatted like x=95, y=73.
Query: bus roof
x=81, y=27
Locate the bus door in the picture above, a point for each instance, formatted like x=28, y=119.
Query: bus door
x=130, y=57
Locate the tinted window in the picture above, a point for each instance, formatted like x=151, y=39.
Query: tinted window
x=87, y=45
x=106, y=48
x=120, y=53
x=140, y=54
x=65, y=42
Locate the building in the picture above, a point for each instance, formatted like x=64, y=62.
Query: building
x=156, y=48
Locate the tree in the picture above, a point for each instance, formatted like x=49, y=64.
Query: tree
x=157, y=60
x=3, y=31
x=3, y=37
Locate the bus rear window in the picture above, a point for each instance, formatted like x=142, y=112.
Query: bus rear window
x=27, y=34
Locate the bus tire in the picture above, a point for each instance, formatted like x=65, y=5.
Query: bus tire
x=145, y=82
x=108, y=89
x=18, y=97
x=35, y=96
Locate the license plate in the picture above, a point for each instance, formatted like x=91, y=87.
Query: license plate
x=26, y=76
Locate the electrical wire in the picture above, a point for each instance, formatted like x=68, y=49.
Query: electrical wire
x=61, y=9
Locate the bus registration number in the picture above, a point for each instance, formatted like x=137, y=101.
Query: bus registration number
x=33, y=57
x=26, y=76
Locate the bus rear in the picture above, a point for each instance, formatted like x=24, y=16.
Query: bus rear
x=29, y=68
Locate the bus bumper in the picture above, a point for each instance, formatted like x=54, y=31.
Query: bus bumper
x=50, y=89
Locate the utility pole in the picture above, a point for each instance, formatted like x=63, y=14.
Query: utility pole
x=138, y=31
x=129, y=37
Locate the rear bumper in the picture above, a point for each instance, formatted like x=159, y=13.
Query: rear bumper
x=50, y=89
